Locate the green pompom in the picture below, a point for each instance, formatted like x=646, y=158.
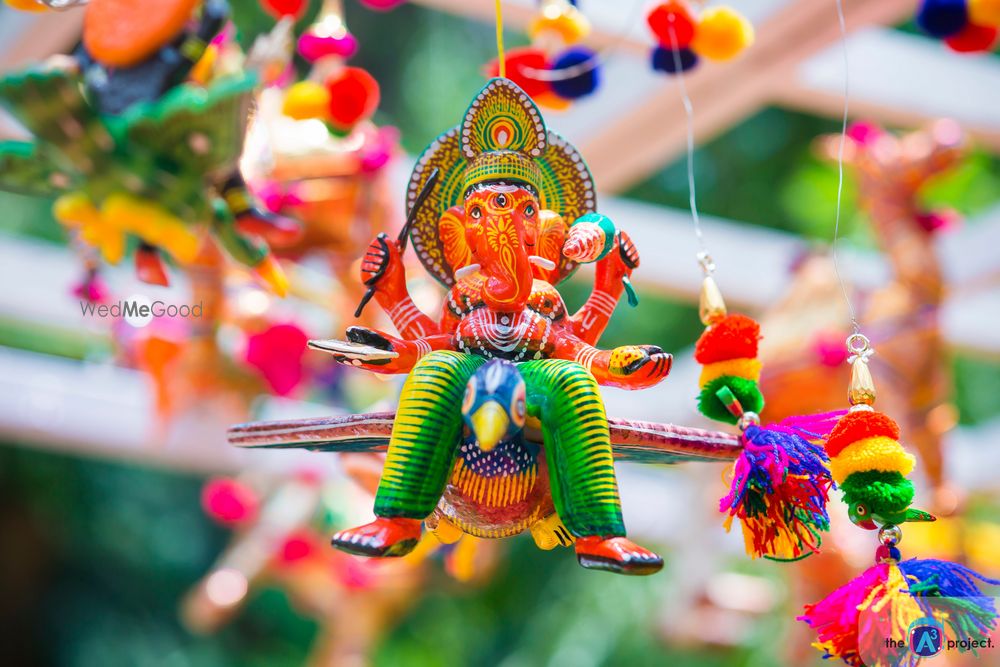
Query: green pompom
x=745, y=391
x=882, y=492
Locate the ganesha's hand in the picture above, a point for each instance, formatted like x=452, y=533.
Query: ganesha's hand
x=364, y=348
x=382, y=266
x=632, y=366
x=617, y=264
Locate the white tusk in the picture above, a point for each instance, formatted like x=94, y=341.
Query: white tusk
x=467, y=270
x=541, y=262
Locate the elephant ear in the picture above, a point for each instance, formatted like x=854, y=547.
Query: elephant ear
x=451, y=229
x=549, y=241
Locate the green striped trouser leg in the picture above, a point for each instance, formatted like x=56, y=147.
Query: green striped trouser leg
x=565, y=397
x=425, y=435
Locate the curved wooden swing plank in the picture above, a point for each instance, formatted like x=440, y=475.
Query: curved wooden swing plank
x=642, y=442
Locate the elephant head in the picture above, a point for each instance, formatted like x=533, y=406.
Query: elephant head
x=501, y=230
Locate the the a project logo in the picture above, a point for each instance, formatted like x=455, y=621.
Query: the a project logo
x=139, y=310
x=926, y=637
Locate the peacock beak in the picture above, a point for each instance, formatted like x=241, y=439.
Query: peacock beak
x=489, y=425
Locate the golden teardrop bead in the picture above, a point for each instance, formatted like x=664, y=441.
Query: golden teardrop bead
x=862, y=388
x=711, y=306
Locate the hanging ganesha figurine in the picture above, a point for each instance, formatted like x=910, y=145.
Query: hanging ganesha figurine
x=500, y=427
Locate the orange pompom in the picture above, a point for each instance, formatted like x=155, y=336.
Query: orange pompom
x=525, y=66
x=722, y=34
x=859, y=425
x=354, y=96
x=733, y=337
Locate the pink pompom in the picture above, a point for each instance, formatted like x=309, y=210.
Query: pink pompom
x=229, y=501
x=278, y=354
x=864, y=132
x=382, y=5
x=939, y=220
x=312, y=47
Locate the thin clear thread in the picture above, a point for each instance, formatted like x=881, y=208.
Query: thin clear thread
x=703, y=257
x=855, y=326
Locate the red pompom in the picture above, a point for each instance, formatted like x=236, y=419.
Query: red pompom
x=520, y=63
x=354, y=96
x=297, y=547
x=229, y=501
x=281, y=8
x=673, y=24
x=859, y=425
x=973, y=38
x=733, y=337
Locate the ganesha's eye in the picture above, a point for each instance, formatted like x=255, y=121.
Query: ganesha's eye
x=529, y=210
x=476, y=212
x=501, y=200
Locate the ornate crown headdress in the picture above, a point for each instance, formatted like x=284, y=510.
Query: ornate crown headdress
x=502, y=137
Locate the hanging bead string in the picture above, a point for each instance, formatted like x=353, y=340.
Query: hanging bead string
x=501, y=61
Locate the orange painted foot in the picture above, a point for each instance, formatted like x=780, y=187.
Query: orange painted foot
x=382, y=538
x=616, y=554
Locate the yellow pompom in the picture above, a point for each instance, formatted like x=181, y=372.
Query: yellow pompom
x=721, y=34
x=877, y=453
x=26, y=5
x=745, y=368
x=566, y=21
x=74, y=209
x=306, y=99
x=985, y=13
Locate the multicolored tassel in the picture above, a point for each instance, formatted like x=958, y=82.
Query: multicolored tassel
x=780, y=481
x=780, y=488
x=870, y=621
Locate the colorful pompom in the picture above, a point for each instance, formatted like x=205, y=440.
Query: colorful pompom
x=523, y=66
x=722, y=34
x=745, y=391
x=281, y=8
x=733, y=337
x=581, y=83
x=306, y=99
x=942, y=18
x=567, y=22
x=877, y=489
x=973, y=39
x=672, y=23
x=229, y=501
x=878, y=453
x=779, y=491
x=312, y=46
x=277, y=353
x=744, y=368
x=664, y=60
x=354, y=96
x=984, y=12
x=859, y=425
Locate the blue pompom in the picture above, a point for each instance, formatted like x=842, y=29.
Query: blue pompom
x=942, y=18
x=582, y=84
x=664, y=60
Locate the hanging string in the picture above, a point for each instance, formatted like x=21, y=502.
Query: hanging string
x=501, y=61
x=704, y=259
x=855, y=326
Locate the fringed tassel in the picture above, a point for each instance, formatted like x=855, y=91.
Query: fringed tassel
x=780, y=488
x=856, y=621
